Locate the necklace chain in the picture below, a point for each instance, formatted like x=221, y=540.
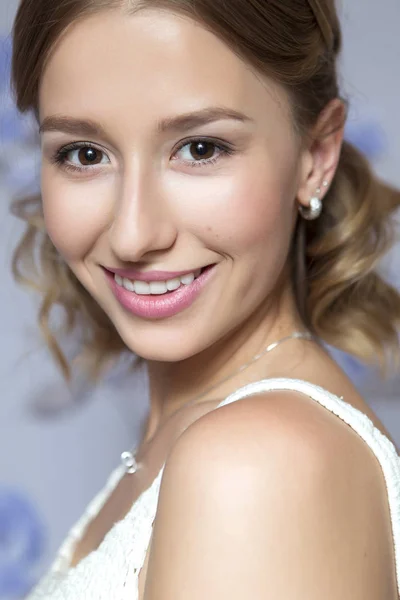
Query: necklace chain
x=296, y=335
x=128, y=459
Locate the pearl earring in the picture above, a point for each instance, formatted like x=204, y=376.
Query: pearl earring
x=314, y=209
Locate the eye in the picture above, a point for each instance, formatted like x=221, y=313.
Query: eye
x=201, y=152
x=89, y=156
x=86, y=156
x=80, y=156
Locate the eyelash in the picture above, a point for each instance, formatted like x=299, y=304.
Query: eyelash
x=60, y=156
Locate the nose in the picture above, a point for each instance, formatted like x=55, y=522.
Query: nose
x=143, y=222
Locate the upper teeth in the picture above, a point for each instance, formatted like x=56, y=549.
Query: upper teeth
x=156, y=287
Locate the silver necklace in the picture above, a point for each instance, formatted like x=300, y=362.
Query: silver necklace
x=128, y=458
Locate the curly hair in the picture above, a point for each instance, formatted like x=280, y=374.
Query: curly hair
x=339, y=293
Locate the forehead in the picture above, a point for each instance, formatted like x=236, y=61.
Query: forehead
x=149, y=64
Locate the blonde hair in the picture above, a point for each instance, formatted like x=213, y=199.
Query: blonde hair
x=339, y=293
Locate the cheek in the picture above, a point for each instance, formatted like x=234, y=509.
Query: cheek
x=75, y=214
x=239, y=213
x=259, y=211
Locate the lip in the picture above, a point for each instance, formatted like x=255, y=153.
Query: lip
x=148, y=276
x=162, y=306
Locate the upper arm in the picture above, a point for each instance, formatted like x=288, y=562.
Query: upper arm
x=271, y=500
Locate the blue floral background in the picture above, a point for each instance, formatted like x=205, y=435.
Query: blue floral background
x=19, y=155
x=22, y=543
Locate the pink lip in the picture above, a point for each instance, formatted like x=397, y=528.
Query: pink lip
x=162, y=306
x=149, y=275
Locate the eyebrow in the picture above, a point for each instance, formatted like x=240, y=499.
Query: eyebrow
x=71, y=125
x=201, y=117
x=172, y=124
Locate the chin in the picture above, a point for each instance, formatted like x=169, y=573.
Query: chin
x=168, y=353
x=170, y=347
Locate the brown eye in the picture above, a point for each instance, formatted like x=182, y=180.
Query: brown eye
x=202, y=150
x=90, y=156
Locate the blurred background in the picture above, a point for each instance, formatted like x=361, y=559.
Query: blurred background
x=59, y=443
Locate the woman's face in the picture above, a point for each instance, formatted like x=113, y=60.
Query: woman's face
x=163, y=154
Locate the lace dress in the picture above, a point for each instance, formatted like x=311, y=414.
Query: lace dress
x=112, y=571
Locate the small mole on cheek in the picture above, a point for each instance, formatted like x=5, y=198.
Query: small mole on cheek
x=214, y=233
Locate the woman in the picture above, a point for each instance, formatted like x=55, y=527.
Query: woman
x=202, y=212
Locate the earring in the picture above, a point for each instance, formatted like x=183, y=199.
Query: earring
x=314, y=209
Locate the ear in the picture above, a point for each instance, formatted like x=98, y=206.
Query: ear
x=321, y=156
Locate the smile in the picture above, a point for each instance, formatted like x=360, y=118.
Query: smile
x=159, y=299
x=156, y=288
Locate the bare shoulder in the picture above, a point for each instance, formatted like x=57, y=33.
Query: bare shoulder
x=265, y=486
x=279, y=424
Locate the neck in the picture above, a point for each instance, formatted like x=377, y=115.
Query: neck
x=174, y=385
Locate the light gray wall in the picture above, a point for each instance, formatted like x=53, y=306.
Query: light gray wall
x=7, y=12
x=371, y=70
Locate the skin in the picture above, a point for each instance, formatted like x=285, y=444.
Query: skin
x=146, y=205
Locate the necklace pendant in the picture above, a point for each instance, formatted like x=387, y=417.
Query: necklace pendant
x=129, y=462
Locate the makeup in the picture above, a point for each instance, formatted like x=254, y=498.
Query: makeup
x=164, y=305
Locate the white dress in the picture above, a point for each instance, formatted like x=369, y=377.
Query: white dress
x=112, y=571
